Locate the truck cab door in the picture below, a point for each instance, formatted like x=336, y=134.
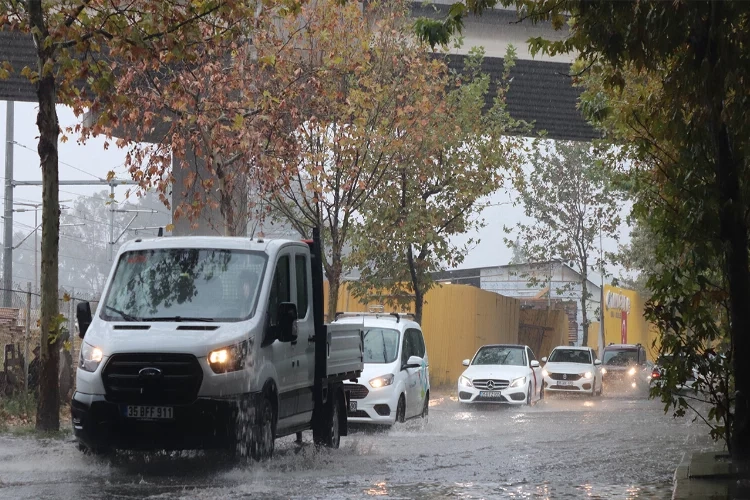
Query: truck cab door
x=304, y=349
x=282, y=353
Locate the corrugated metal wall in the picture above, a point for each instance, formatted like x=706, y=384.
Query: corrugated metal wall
x=457, y=320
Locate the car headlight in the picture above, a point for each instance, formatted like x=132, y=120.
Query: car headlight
x=604, y=371
x=90, y=358
x=518, y=382
x=383, y=381
x=545, y=373
x=631, y=371
x=228, y=359
x=587, y=375
x=465, y=381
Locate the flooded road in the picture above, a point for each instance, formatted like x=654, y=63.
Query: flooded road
x=559, y=448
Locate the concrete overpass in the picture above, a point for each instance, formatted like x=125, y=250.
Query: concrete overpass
x=541, y=92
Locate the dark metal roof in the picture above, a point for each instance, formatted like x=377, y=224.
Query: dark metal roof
x=540, y=92
x=18, y=49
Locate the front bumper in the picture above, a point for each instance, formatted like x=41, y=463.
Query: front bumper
x=514, y=395
x=573, y=386
x=204, y=424
x=377, y=407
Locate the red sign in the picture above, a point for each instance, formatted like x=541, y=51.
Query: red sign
x=624, y=328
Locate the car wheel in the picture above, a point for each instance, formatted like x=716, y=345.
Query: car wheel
x=401, y=410
x=541, y=392
x=262, y=443
x=426, y=407
x=601, y=390
x=528, y=396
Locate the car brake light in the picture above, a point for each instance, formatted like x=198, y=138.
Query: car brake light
x=655, y=374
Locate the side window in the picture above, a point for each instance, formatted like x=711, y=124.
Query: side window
x=408, y=348
x=417, y=342
x=280, y=289
x=300, y=267
x=531, y=356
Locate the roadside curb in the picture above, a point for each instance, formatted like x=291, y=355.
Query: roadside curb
x=709, y=476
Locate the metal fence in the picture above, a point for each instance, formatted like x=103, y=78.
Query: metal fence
x=20, y=334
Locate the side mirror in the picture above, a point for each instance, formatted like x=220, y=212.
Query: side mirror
x=466, y=362
x=597, y=362
x=287, y=318
x=544, y=359
x=535, y=364
x=413, y=362
x=83, y=314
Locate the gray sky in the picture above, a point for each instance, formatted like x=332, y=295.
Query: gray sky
x=92, y=161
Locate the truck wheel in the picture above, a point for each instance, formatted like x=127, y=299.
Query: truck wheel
x=328, y=432
x=262, y=443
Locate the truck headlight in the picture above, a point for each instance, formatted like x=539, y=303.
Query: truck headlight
x=518, y=382
x=587, y=375
x=90, y=358
x=383, y=381
x=465, y=381
x=228, y=359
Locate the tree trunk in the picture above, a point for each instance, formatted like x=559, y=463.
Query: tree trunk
x=334, y=283
x=733, y=235
x=735, y=238
x=48, y=410
x=584, y=297
x=416, y=285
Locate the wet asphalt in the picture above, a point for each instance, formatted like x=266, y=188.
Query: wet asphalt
x=563, y=447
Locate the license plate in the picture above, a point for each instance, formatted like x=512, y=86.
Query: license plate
x=490, y=394
x=352, y=406
x=564, y=382
x=150, y=412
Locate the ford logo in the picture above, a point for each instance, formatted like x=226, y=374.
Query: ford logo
x=149, y=373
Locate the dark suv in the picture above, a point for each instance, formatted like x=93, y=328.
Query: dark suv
x=626, y=366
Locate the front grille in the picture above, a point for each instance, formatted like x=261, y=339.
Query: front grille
x=359, y=414
x=177, y=382
x=357, y=391
x=564, y=376
x=496, y=384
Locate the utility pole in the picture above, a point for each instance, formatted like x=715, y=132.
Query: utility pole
x=601, y=293
x=111, y=245
x=8, y=229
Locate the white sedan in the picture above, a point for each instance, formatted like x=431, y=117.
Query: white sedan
x=501, y=374
x=573, y=369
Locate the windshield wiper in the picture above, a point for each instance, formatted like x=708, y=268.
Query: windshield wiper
x=179, y=319
x=125, y=316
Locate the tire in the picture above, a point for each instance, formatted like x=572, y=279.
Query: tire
x=541, y=392
x=328, y=433
x=528, y=396
x=262, y=440
x=401, y=410
x=426, y=407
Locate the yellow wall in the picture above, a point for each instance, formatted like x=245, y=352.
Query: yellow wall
x=555, y=324
x=639, y=331
x=457, y=320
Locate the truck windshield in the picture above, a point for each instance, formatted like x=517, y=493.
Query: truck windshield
x=184, y=284
x=381, y=345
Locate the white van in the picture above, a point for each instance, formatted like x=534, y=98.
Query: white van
x=395, y=383
x=212, y=342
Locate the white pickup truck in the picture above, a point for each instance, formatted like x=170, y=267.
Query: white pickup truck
x=212, y=342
